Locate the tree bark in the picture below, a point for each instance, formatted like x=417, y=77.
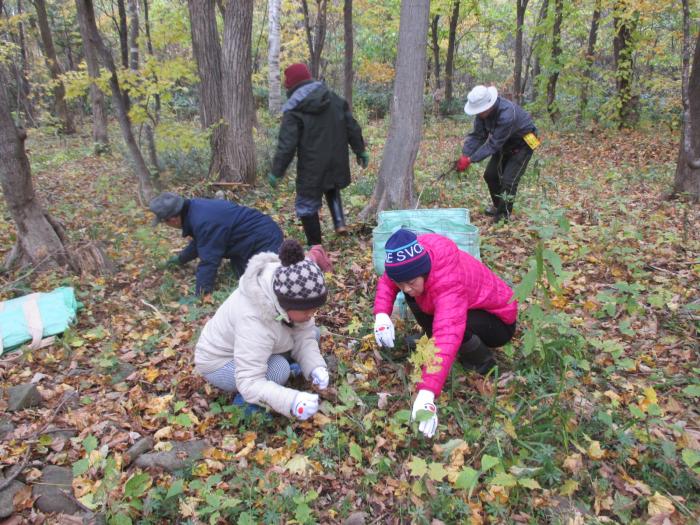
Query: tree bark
x=123, y=34
x=348, y=72
x=100, y=137
x=59, y=91
x=537, y=65
x=590, y=56
x=274, y=96
x=552, y=107
x=450, y=57
x=436, y=49
x=687, y=176
x=624, y=24
x=316, y=37
x=394, y=187
x=206, y=48
x=147, y=187
x=23, y=86
x=520, y=8
x=239, y=108
x=38, y=242
x=155, y=115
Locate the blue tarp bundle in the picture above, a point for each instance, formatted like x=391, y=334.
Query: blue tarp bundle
x=35, y=316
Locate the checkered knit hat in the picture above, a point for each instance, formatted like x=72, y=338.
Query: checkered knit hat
x=298, y=283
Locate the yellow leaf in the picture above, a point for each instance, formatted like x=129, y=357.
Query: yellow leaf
x=163, y=433
x=569, y=487
x=163, y=446
x=188, y=507
x=510, y=429
x=573, y=463
x=649, y=399
x=150, y=374
x=298, y=464
x=659, y=504
x=594, y=450
x=156, y=405
x=201, y=470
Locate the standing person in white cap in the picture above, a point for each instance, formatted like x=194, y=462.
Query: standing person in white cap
x=505, y=132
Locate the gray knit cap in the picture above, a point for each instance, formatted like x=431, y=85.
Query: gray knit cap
x=166, y=205
x=298, y=283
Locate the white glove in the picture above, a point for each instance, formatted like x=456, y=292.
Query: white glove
x=320, y=377
x=384, y=330
x=305, y=405
x=424, y=401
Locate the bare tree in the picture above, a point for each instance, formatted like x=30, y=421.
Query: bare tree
x=552, y=107
x=123, y=34
x=348, y=72
x=154, y=116
x=590, y=55
x=518, y=85
x=394, y=187
x=59, y=91
x=239, y=107
x=537, y=65
x=40, y=240
x=687, y=177
x=449, y=58
x=146, y=185
x=316, y=37
x=100, y=138
x=274, y=100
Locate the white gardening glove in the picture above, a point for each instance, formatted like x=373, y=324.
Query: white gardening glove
x=424, y=401
x=384, y=330
x=305, y=405
x=320, y=377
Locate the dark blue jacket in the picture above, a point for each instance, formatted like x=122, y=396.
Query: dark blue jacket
x=221, y=229
x=502, y=130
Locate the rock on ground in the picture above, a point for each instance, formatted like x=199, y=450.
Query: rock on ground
x=23, y=396
x=49, y=490
x=182, y=455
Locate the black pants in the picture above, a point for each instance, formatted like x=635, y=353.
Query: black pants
x=488, y=327
x=502, y=176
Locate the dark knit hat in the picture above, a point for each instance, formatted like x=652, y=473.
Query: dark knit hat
x=298, y=283
x=166, y=205
x=295, y=74
x=406, y=258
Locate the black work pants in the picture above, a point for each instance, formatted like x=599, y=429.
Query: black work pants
x=502, y=175
x=488, y=327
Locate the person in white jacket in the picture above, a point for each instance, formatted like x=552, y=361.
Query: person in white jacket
x=270, y=313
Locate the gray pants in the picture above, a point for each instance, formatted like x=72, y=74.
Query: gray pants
x=502, y=176
x=225, y=377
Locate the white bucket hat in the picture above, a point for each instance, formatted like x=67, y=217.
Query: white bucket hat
x=480, y=99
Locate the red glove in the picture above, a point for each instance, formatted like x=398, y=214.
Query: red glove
x=463, y=163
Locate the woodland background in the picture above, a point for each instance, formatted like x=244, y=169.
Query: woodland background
x=593, y=417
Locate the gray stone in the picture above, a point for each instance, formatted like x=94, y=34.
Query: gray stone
x=356, y=518
x=139, y=448
x=65, y=433
x=23, y=396
x=182, y=455
x=6, y=426
x=49, y=491
x=6, y=497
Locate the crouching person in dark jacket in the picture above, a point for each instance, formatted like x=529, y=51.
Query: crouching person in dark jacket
x=219, y=229
x=317, y=126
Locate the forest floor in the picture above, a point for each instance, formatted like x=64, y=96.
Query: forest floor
x=592, y=418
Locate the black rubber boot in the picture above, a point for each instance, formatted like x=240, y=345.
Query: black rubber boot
x=335, y=205
x=491, y=211
x=475, y=355
x=312, y=229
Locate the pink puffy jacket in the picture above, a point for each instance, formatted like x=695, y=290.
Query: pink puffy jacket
x=457, y=282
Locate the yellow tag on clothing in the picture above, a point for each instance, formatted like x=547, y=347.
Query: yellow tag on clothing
x=532, y=141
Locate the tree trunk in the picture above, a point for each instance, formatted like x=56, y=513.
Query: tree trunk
x=315, y=38
x=59, y=91
x=23, y=86
x=123, y=34
x=238, y=108
x=147, y=187
x=394, y=187
x=552, y=106
x=520, y=7
x=436, y=49
x=207, y=53
x=687, y=177
x=348, y=72
x=38, y=242
x=133, y=42
x=274, y=100
x=537, y=65
x=155, y=116
x=590, y=56
x=450, y=58
x=623, y=22
x=100, y=138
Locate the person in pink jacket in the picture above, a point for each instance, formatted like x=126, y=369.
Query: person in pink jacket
x=455, y=298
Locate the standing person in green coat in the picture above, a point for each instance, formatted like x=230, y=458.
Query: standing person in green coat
x=317, y=126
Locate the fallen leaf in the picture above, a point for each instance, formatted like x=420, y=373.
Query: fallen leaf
x=659, y=504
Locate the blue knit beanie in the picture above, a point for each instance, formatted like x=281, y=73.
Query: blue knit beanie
x=406, y=258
